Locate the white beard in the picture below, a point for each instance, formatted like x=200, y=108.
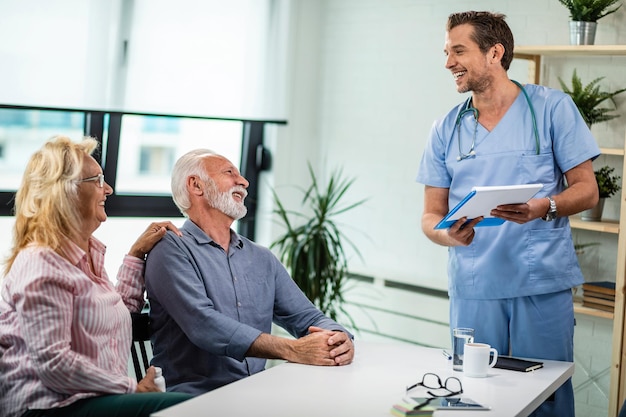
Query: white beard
x=224, y=202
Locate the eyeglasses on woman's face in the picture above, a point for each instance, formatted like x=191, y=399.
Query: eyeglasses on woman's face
x=98, y=178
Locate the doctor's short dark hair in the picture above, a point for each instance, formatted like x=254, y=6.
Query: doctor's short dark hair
x=489, y=29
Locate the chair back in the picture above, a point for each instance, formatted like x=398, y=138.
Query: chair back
x=141, y=344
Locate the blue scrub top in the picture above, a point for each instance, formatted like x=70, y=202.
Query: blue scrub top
x=511, y=260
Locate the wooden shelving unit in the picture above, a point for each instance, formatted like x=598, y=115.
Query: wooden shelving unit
x=578, y=308
x=612, y=151
x=617, y=389
x=605, y=226
x=570, y=50
x=534, y=54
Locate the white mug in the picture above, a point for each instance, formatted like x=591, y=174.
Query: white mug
x=476, y=361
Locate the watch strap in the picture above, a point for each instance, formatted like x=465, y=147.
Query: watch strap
x=551, y=214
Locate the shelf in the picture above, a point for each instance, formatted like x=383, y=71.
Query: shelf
x=605, y=226
x=535, y=57
x=534, y=54
x=588, y=311
x=612, y=151
x=569, y=50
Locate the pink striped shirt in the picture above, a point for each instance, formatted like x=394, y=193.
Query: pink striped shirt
x=65, y=333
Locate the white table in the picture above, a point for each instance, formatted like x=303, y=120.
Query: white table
x=369, y=386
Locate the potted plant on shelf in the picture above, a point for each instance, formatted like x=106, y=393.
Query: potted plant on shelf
x=580, y=247
x=608, y=185
x=313, y=250
x=589, y=97
x=584, y=15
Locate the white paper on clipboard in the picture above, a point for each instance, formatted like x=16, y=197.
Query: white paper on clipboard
x=481, y=200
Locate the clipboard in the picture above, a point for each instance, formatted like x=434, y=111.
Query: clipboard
x=481, y=200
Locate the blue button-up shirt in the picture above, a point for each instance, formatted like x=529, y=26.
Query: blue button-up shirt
x=208, y=307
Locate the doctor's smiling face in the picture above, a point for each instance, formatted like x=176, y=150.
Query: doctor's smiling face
x=468, y=64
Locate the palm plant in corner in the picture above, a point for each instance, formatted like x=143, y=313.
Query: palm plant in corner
x=313, y=249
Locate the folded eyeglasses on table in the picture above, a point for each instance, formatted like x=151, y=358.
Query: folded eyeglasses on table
x=450, y=387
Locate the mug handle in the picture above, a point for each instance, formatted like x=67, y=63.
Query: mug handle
x=494, y=359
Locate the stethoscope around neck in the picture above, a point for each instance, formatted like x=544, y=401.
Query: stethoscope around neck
x=468, y=108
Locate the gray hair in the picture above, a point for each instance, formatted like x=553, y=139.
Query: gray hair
x=187, y=165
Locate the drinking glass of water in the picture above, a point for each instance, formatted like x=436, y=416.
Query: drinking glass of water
x=460, y=336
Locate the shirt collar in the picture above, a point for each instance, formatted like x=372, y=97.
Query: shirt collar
x=202, y=238
x=74, y=253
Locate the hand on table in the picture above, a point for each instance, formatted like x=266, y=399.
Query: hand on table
x=324, y=347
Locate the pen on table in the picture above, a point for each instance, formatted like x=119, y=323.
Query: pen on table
x=446, y=354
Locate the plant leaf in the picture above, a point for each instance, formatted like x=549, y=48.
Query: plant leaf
x=589, y=97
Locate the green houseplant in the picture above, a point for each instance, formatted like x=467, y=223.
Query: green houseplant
x=589, y=10
x=608, y=185
x=580, y=247
x=584, y=15
x=313, y=249
x=589, y=97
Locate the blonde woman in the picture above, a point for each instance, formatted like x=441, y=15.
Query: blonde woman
x=65, y=330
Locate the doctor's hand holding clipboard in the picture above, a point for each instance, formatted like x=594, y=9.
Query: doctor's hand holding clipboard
x=488, y=206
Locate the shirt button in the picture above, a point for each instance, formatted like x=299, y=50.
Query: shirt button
x=238, y=304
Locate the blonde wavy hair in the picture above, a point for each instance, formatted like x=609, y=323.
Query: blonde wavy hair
x=46, y=204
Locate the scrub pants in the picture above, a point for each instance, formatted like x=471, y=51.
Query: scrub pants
x=537, y=326
x=116, y=405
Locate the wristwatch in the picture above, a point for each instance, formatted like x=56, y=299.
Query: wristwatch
x=551, y=214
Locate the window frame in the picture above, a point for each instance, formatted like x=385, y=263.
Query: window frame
x=255, y=158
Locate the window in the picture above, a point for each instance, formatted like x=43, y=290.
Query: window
x=149, y=147
x=137, y=157
x=22, y=131
x=173, y=64
x=155, y=160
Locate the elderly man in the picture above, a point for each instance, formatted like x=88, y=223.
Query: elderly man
x=214, y=294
